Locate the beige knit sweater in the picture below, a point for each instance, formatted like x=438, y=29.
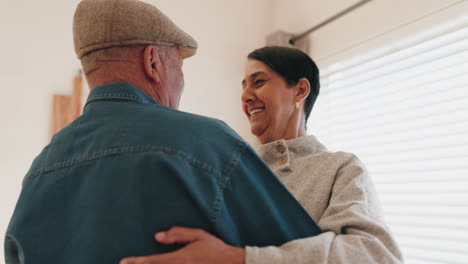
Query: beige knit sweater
x=336, y=191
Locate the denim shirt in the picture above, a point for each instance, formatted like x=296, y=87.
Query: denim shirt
x=130, y=167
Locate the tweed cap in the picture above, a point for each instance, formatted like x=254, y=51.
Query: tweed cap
x=100, y=24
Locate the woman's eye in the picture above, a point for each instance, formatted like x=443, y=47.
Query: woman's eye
x=259, y=82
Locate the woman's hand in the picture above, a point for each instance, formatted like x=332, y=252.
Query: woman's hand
x=201, y=247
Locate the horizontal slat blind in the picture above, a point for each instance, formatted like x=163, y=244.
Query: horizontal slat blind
x=403, y=109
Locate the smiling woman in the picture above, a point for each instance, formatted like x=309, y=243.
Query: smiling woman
x=278, y=93
x=280, y=87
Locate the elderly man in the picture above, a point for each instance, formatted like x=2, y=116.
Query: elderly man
x=132, y=165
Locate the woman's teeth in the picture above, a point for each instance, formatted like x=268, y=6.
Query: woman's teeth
x=254, y=111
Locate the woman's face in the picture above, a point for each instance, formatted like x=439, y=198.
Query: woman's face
x=268, y=102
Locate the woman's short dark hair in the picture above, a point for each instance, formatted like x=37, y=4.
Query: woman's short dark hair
x=292, y=64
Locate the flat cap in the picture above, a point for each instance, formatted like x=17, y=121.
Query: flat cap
x=100, y=24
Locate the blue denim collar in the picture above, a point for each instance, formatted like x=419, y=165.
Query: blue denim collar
x=119, y=92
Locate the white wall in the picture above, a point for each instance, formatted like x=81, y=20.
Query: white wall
x=347, y=35
x=37, y=59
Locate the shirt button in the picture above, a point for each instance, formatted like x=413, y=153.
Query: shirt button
x=280, y=148
x=283, y=160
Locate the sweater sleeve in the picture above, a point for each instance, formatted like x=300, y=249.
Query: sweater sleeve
x=353, y=229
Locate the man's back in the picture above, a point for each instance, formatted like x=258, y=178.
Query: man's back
x=129, y=168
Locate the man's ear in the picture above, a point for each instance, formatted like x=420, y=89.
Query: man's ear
x=152, y=63
x=302, y=89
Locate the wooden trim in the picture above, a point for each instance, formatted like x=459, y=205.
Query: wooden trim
x=66, y=108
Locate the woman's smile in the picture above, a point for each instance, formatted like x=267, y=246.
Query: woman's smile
x=256, y=110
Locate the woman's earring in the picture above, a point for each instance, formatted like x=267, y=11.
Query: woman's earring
x=297, y=105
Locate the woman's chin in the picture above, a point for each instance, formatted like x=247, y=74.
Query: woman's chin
x=259, y=132
x=256, y=130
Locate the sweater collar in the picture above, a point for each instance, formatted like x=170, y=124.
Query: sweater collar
x=277, y=154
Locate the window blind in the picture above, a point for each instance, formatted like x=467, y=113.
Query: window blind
x=403, y=110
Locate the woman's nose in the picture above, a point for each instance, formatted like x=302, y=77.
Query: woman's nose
x=247, y=96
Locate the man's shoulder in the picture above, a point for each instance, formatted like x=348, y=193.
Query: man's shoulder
x=183, y=123
x=179, y=115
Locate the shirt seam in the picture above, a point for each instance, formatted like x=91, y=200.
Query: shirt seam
x=224, y=179
x=115, y=96
x=113, y=151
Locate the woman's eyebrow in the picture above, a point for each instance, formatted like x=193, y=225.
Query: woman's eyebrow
x=253, y=75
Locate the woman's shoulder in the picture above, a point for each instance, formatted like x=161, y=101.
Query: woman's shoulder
x=344, y=163
x=342, y=157
x=334, y=162
x=311, y=146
